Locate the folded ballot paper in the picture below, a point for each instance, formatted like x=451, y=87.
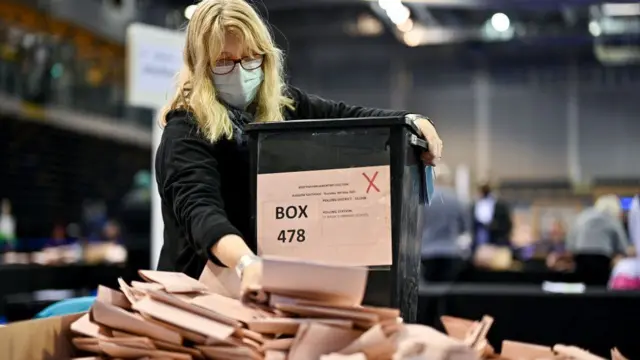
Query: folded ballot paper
x=300, y=311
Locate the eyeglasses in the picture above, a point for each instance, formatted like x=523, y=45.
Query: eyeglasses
x=223, y=67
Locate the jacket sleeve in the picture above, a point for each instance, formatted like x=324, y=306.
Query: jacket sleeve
x=189, y=182
x=309, y=106
x=621, y=241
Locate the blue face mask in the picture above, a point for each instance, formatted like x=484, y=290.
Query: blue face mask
x=239, y=87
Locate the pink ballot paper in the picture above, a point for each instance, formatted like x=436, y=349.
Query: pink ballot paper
x=343, y=285
x=339, y=216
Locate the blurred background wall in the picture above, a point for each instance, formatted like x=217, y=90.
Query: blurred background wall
x=520, y=90
x=532, y=102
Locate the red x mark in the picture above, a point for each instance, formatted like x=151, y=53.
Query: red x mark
x=371, y=184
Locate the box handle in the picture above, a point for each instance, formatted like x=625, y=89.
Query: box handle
x=416, y=141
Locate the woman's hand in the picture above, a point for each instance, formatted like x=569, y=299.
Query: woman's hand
x=251, y=276
x=433, y=139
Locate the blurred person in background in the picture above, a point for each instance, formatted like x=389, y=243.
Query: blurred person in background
x=136, y=223
x=232, y=75
x=8, y=58
x=445, y=221
x=554, y=240
x=111, y=232
x=94, y=216
x=7, y=226
x=633, y=223
x=55, y=250
x=597, y=239
x=8, y=238
x=108, y=249
x=626, y=273
x=7, y=233
x=140, y=192
x=58, y=236
x=36, y=70
x=492, y=223
x=114, y=252
x=553, y=247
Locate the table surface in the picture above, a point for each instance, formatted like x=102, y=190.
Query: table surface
x=529, y=275
x=28, y=278
x=596, y=319
x=491, y=289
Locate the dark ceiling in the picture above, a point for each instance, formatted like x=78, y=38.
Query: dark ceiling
x=555, y=14
x=561, y=26
x=327, y=18
x=469, y=4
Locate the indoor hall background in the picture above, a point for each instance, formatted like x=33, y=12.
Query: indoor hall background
x=48, y=173
x=569, y=117
x=533, y=107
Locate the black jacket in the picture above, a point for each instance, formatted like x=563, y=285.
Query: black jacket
x=204, y=187
x=499, y=228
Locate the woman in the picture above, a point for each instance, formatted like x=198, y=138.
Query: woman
x=626, y=273
x=232, y=75
x=598, y=238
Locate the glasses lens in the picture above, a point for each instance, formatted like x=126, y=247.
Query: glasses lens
x=223, y=67
x=252, y=63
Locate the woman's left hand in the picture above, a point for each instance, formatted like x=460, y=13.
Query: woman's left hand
x=433, y=140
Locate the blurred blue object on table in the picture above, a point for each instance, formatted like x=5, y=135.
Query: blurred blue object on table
x=66, y=307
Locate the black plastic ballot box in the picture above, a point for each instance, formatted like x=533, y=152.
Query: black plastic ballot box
x=343, y=191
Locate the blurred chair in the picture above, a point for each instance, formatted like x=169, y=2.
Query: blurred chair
x=66, y=307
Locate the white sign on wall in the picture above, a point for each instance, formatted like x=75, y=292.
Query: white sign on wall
x=154, y=57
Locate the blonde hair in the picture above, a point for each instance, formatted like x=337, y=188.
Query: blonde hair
x=609, y=204
x=204, y=43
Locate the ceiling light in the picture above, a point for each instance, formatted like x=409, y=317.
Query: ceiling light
x=388, y=4
x=398, y=14
x=412, y=38
x=631, y=9
x=367, y=25
x=595, y=29
x=406, y=26
x=189, y=11
x=500, y=22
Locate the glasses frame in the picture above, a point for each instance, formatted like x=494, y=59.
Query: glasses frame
x=239, y=61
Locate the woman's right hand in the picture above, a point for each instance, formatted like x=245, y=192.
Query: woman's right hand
x=251, y=276
x=230, y=250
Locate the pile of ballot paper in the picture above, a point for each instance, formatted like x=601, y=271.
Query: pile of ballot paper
x=300, y=311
